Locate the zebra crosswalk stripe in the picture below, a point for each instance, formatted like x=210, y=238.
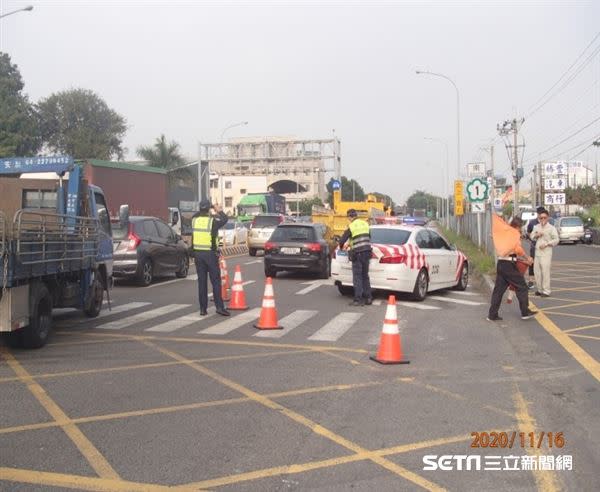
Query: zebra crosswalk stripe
x=146, y=315
x=455, y=301
x=231, y=324
x=336, y=327
x=121, y=308
x=177, y=323
x=414, y=305
x=290, y=322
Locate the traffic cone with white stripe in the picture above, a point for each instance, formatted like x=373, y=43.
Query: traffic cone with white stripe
x=238, y=298
x=225, y=288
x=268, y=313
x=390, y=346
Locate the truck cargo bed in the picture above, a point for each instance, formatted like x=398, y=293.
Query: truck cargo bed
x=36, y=244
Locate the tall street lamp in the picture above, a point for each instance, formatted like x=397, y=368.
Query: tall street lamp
x=29, y=8
x=444, y=181
x=424, y=72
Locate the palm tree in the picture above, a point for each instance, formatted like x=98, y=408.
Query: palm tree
x=165, y=155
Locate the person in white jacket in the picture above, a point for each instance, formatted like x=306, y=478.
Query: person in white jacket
x=546, y=237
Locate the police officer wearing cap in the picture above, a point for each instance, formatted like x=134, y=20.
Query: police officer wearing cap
x=359, y=236
x=205, y=232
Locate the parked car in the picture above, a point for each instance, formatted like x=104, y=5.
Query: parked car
x=234, y=232
x=148, y=248
x=300, y=247
x=261, y=229
x=406, y=259
x=570, y=229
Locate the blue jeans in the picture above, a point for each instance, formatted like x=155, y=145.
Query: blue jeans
x=207, y=262
x=360, y=276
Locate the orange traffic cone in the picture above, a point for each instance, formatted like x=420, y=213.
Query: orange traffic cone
x=390, y=347
x=225, y=290
x=238, y=298
x=268, y=313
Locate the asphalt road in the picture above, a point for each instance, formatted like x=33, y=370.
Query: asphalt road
x=150, y=395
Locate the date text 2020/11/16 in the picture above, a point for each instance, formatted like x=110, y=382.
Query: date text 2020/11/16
x=517, y=439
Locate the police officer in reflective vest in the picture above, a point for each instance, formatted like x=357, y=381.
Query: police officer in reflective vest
x=205, y=232
x=358, y=233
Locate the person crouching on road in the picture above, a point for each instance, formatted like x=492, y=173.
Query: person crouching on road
x=359, y=236
x=546, y=237
x=507, y=241
x=205, y=230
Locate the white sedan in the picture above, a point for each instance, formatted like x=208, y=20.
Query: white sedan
x=406, y=259
x=233, y=232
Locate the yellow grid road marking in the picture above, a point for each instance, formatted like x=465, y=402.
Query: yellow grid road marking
x=575, y=289
x=586, y=336
x=587, y=327
x=583, y=282
x=572, y=304
x=580, y=355
x=79, y=482
x=152, y=365
x=573, y=315
x=98, y=462
x=300, y=419
x=546, y=480
x=328, y=463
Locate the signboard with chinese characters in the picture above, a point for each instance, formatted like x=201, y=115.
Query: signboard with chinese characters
x=476, y=169
x=459, y=208
x=555, y=184
x=554, y=199
x=17, y=165
x=559, y=168
x=458, y=197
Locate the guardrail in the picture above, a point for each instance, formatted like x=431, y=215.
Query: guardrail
x=44, y=237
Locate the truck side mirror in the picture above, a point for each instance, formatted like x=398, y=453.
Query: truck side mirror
x=124, y=216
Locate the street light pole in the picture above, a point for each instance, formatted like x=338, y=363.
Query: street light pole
x=444, y=181
x=29, y=8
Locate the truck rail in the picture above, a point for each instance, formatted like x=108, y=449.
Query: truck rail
x=41, y=243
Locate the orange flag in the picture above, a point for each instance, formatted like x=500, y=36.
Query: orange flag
x=507, y=239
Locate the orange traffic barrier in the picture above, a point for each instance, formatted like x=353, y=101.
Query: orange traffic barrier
x=238, y=298
x=390, y=347
x=268, y=313
x=225, y=289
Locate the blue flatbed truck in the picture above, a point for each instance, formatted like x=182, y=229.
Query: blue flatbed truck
x=55, y=247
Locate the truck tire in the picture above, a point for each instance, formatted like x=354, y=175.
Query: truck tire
x=37, y=333
x=93, y=305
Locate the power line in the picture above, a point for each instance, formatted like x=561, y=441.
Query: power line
x=537, y=106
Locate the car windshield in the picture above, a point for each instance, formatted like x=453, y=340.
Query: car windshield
x=290, y=233
x=119, y=232
x=266, y=220
x=571, y=222
x=389, y=236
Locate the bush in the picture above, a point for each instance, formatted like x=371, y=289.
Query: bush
x=592, y=213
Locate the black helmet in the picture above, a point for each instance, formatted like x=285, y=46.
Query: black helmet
x=204, y=205
x=352, y=213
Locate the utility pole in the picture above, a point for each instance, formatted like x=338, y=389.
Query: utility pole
x=507, y=128
x=596, y=144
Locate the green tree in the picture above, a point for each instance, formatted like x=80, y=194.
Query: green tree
x=19, y=128
x=166, y=155
x=586, y=196
x=78, y=122
x=386, y=199
x=306, y=205
x=350, y=189
x=422, y=200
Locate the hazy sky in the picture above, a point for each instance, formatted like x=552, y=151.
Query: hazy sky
x=190, y=68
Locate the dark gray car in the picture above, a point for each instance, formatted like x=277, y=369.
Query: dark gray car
x=148, y=248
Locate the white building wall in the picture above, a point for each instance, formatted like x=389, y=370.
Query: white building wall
x=227, y=190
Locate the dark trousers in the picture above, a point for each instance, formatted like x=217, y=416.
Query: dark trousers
x=360, y=275
x=208, y=262
x=532, y=254
x=507, y=274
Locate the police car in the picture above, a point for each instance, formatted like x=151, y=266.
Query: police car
x=406, y=259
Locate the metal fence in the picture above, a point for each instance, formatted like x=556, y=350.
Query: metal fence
x=477, y=227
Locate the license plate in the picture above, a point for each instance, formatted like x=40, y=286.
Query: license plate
x=290, y=251
x=342, y=256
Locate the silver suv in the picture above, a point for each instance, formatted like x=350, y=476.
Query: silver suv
x=261, y=229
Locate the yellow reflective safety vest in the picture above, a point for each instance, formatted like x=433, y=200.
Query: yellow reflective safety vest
x=360, y=236
x=202, y=233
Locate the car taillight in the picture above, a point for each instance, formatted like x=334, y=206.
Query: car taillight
x=134, y=240
x=269, y=245
x=313, y=247
x=393, y=259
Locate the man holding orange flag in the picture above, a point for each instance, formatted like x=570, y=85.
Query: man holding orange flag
x=507, y=241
